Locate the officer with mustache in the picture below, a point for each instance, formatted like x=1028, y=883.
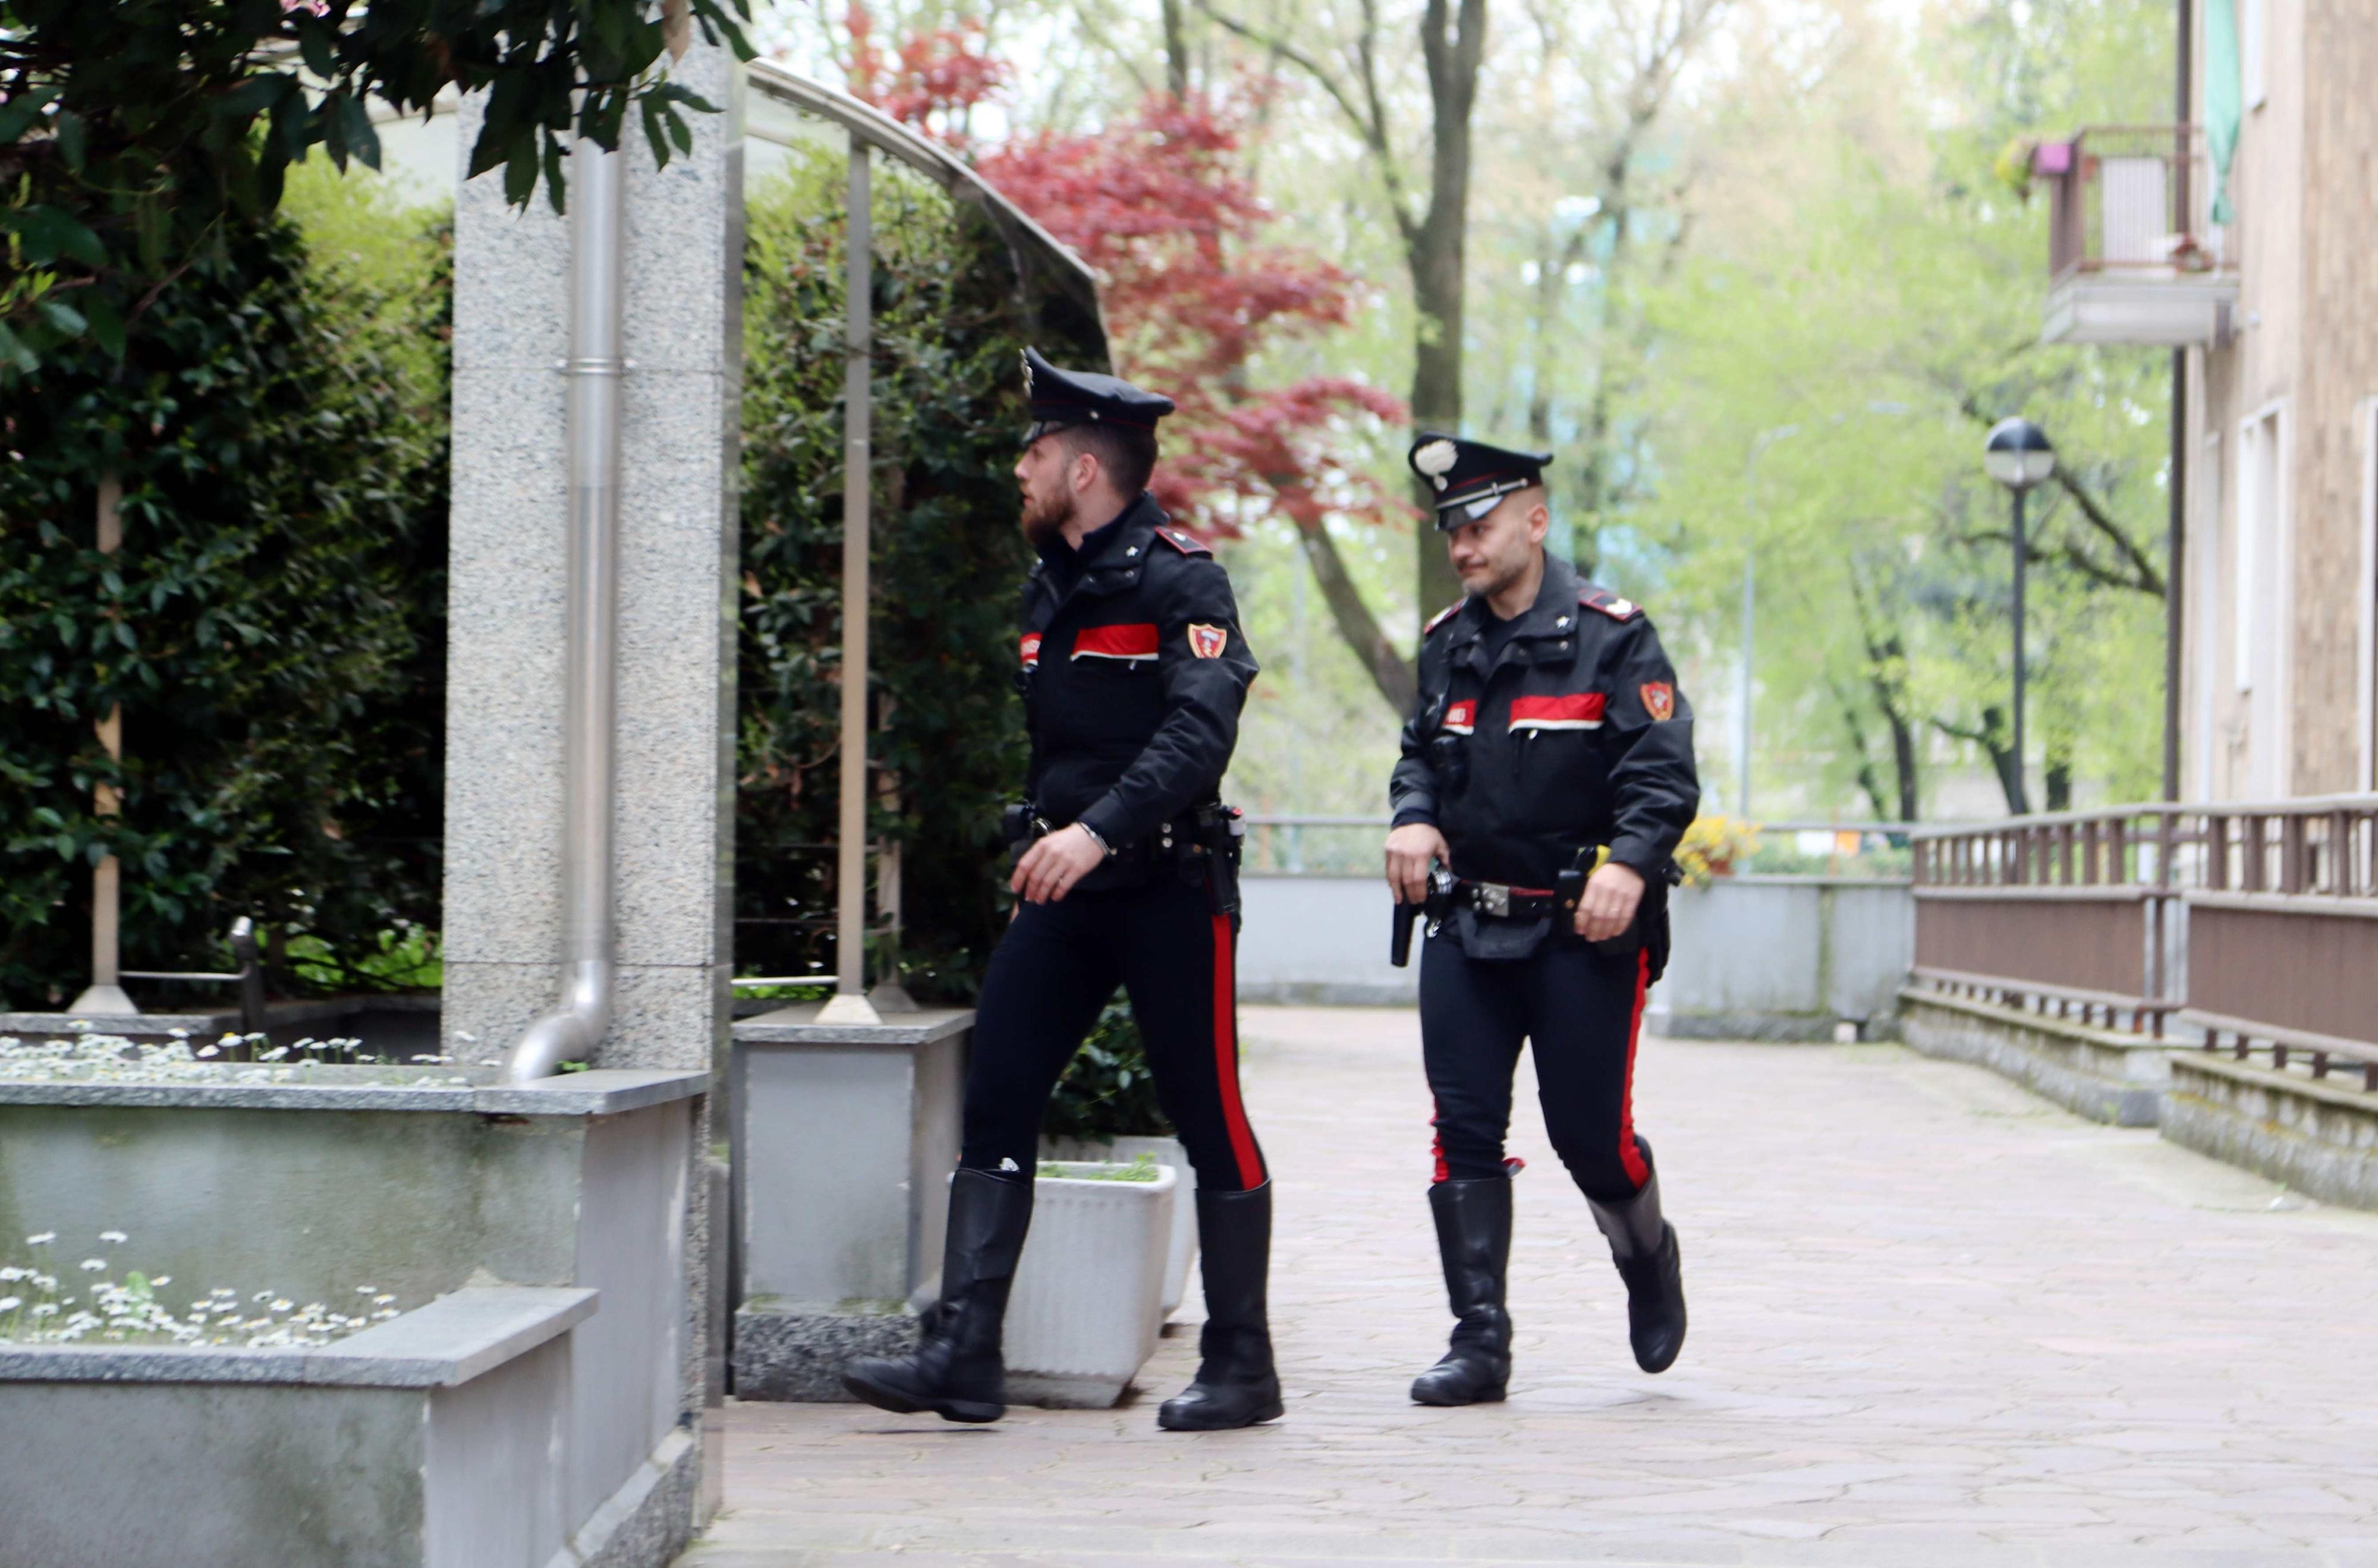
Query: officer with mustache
x=1546, y=779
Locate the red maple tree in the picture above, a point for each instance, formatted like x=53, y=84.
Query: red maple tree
x=1160, y=208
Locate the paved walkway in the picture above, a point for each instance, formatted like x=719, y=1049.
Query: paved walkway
x=1935, y=1322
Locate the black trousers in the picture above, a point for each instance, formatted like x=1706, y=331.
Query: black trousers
x=1051, y=974
x=1583, y=1011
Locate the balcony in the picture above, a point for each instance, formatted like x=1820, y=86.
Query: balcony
x=2133, y=256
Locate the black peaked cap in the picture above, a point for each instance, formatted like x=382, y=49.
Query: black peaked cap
x=1063, y=397
x=1471, y=476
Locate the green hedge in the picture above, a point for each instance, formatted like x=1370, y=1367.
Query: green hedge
x=273, y=625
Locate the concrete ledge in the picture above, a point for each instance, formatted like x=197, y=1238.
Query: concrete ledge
x=1780, y=1028
x=450, y=1341
x=243, y=1087
x=648, y=1521
x=799, y=1354
x=2099, y=1073
x=2319, y=1137
x=798, y=1026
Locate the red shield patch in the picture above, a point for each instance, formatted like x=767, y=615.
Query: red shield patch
x=1208, y=641
x=1659, y=699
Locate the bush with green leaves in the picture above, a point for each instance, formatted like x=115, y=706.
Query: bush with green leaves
x=1107, y=1090
x=948, y=564
x=273, y=626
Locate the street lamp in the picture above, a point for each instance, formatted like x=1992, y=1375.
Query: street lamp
x=2017, y=455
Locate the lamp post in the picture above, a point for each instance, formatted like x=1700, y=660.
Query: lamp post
x=2017, y=455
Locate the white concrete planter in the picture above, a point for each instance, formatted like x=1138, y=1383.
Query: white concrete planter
x=1089, y=1301
x=1183, y=1247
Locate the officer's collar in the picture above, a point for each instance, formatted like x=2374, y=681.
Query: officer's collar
x=1553, y=614
x=1109, y=557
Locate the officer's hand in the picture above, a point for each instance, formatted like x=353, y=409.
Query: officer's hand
x=1608, y=907
x=1050, y=867
x=1412, y=850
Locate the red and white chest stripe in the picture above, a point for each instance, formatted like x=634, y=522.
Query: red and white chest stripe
x=1137, y=641
x=1031, y=648
x=1461, y=718
x=1579, y=711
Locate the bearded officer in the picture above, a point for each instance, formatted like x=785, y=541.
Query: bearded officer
x=1546, y=778
x=1132, y=671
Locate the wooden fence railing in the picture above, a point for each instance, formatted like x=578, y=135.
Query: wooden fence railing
x=2254, y=926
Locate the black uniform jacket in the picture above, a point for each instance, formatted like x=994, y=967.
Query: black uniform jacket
x=1134, y=673
x=1577, y=736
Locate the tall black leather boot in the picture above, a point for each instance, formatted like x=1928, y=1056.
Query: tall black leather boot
x=956, y=1371
x=1236, y=1385
x=1644, y=1247
x=1474, y=1238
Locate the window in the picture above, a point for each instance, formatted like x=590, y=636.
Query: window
x=2262, y=551
x=2365, y=608
x=2206, y=576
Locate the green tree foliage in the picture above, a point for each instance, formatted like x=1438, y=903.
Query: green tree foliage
x=1829, y=365
x=948, y=564
x=273, y=625
x=137, y=137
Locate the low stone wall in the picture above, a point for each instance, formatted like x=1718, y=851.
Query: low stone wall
x=1785, y=958
x=2100, y=1074
x=2318, y=1136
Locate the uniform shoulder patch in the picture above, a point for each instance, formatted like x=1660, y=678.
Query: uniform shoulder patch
x=1186, y=544
x=1442, y=616
x=1609, y=604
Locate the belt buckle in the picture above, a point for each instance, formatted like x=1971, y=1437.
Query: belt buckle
x=1494, y=898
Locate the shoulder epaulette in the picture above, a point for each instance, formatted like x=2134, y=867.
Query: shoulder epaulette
x=1186, y=544
x=1609, y=604
x=1442, y=616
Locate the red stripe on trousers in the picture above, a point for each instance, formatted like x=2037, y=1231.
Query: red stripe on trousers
x=1628, y=1154
x=1226, y=1059
x=1437, y=1143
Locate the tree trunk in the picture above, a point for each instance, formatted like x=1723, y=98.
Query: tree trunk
x=1176, y=51
x=1436, y=250
x=1397, y=681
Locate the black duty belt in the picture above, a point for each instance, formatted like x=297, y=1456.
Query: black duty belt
x=1505, y=901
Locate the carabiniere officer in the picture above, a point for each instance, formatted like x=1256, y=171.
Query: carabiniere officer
x=1546, y=779
x=1132, y=671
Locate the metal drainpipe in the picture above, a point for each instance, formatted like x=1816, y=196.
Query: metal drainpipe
x=573, y=1030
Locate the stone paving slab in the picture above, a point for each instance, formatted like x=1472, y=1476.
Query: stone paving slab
x=1935, y=1322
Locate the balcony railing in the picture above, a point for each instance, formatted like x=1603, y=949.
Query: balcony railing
x=2134, y=255
x=2254, y=926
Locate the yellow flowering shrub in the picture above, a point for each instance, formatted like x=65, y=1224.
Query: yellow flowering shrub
x=1712, y=845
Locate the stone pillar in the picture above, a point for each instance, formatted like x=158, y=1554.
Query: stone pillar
x=678, y=531
x=677, y=650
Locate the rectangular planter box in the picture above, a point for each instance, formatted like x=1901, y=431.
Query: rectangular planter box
x=424, y=1184
x=442, y=1439
x=1182, y=1247
x=1087, y=1304
x=843, y=1137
